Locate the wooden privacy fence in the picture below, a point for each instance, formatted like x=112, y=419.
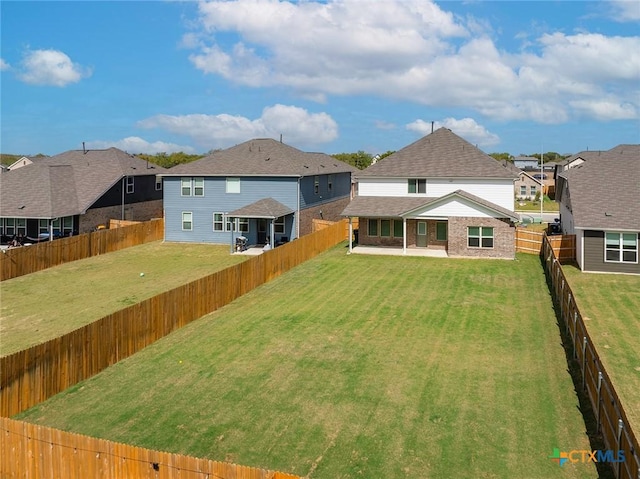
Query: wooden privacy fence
x=564, y=246
x=16, y=262
x=611, y=419
x=28, y=450
x=33, y=375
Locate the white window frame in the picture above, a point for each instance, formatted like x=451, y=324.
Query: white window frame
x=523, y=190
x=198, y=186
x=130, y=184
x=316, y=184
x=533, y=191
x=185, y=184
x=620, y=247
x=230, y=223
x=279, y=225
x=158, y=183
x=189, y=215
x=417, y=183
x=480, y=237
x=218, y=222
x=233, y=185
x=243, y=225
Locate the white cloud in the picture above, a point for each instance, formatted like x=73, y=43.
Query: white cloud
x=50, y=67
x=136, y=145
x=467, y=128
x=4, y=65
x=297, y=126
x=414, y=50
x=625, y=10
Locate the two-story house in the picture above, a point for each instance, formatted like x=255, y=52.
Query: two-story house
x=440, y=192
x=263, y=190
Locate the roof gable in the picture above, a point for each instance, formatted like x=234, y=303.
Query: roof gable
x=442, y=154
x=466, y=198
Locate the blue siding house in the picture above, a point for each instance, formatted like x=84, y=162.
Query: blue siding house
x=262, y=190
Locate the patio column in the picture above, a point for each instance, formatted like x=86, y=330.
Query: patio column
x=404, y=235
x=350, y=234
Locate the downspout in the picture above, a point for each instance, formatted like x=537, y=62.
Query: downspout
x=123, y=187
x=298, y=212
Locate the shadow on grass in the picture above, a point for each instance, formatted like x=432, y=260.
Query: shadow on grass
x=596, y=440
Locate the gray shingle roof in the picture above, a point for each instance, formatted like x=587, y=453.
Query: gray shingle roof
x=264, y=208
x=262, y=157
x=442, y=154
x=68, y=183
x=605, y=191
x=396, y=207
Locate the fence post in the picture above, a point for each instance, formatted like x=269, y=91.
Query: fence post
x=598, y=403
x=584, y=360
x=568, y=309
x=620, y=428
x=573, y=336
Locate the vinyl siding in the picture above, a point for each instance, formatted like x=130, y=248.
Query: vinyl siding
x=458, y=208
x=498, y=191
x=341, y=188
x=594, y=256
x=216, y=200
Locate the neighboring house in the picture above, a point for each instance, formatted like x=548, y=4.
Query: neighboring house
x=440, y=192
x=76, y=191
x=575, y=160
x=526, y=162
x=527, y=186
x=263, y=190
x=600, y=203
x=24, y=161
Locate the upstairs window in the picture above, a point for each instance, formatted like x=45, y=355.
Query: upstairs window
x=185, y=186
x=330, y=183
x=316, y=184
x=233, y=185
x=198, y=187
x=417, y=185
x=130, y=183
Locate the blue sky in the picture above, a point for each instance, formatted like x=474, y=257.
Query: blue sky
x=330, y=76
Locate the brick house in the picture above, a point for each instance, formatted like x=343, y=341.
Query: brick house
x=76, y=191
x=440, y=192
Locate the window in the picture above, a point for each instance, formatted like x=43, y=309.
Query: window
x=198, y=187
x=316, y=184
x=385, y=228
x=185, y=186
x=67, y=225
x=243, y=225
x=233, y=185
x=187, y=221
x=621, y=247
x=523, y=190
x=10, y=226
x=441, y=231
x=330, y=183
x=480, y=237
x=533, y=190
x=130, y=180
x=158, y=183
x=397, y=229
x=231, y=224
x=373, y=228
x=278, y=225
x=14, y=226
x=417, y=185
x=218, y=222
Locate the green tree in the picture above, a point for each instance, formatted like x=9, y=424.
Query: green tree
x=360, y=160
x=502, y=156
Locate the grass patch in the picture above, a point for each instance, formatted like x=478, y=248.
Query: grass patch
x=44, y=305
x=548, y=206
x=355, y=366
x=609, y=304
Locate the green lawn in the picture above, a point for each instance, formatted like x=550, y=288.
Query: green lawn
x=47, y=304
x=355, y=366
x=549, y=206
x=610, y=305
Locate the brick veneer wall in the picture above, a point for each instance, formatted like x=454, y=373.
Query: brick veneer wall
x=504, y=238
x=330, y=212
x=142, y=211
x=504, y=245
